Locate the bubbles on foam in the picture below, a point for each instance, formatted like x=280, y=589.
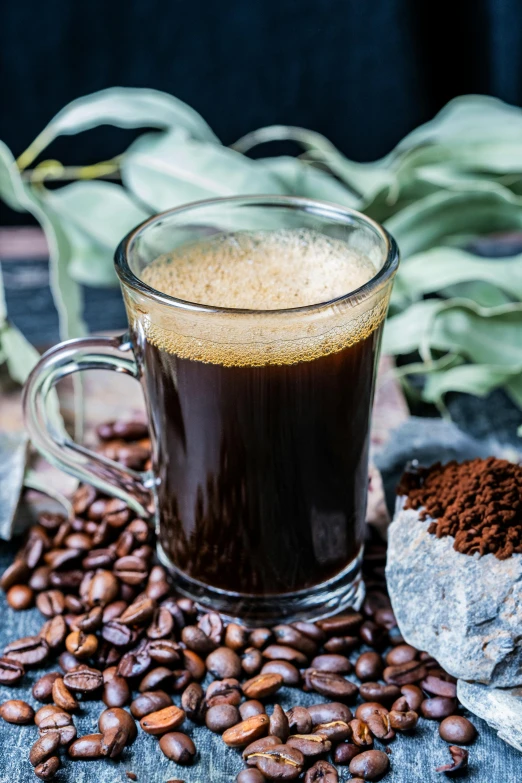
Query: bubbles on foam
x=261, y=270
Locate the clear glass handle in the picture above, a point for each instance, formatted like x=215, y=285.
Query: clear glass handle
x=48, y=434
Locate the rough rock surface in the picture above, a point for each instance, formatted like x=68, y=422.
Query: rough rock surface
x=464, y=610
x=502, y=709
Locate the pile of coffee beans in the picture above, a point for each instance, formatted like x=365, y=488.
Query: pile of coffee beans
x=115, y=631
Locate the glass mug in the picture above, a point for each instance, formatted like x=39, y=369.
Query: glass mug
x=259, y=418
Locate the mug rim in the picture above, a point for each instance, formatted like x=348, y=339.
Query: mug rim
x=324, y=209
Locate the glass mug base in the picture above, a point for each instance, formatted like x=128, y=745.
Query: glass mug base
x=344, y=591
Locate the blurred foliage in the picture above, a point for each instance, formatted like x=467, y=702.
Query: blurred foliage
x=447, y=184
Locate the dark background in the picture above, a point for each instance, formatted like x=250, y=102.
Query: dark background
x=363, y=72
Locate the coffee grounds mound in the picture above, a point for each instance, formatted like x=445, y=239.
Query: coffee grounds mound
x=478, y=502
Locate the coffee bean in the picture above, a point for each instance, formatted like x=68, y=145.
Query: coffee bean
x=60, y=722
x=333, y=686
x=20, y=597
x=148, y=702
x=361, y=733
x=84, y=497
x=16, y=711
x=197, y=640
x=87, y=748
x=180, y=679
x=50, y=709
x=335, y=730
x=82, y=645
x=299, y=720
x=251, y=707
x=259, y=637
x=236, y=637
x=11, y=671
x=48, y=768
x=43, y=688
x=113, y=742
x=345, y=752
x=280, y=652
x=341, y=625
x=385, y=617
x=456, y=728
x=40, y=578
x=222, y=717
x=117, y=634
x=84, y=680
x=99, y=559
x=160, y=677
x=405, y=673
x=403, y=721
x=166, y=719
x=286, y=670
x=63, y=697
x=131, y=570
x=369, y=667
x=251, y=660
x=321, y=772
x=370, y=765
x=250, y=776
x=262, y=685
x=116, y=692
x=278, y=763
x=226, y=691
x=323, y=713
x=279, y=726
x=129, y=429
x=223, y=663
x=212, y=625
x=289, y=635
x=403, y=653
x=17, y=573
x=309, y=744
x=413, y=695
x=66, y=580
x=400, y=705
x=459, y=761
x=103, y=588
x=341, y=644
x=374, y=691
x=372, y=634
x=68, y=662
x=29, y=651
x=193, y=702
x=44, y=748
x=178, y=747
x=364, y=711
x=113, y=610
x=439, y=687
x=258, y=746
x=162, y=624
x=115, y=717
x=138, y=613
x=54, y=631
x=194, y=664
x=157, y=584
x=135, y=662
x=246, y=731
x=438, y=708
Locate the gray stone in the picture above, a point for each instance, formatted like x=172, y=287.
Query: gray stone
x=464, y=610
x=502, y=709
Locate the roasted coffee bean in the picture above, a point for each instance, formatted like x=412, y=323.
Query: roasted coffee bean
x=456, y=728
x=300, y=720
x=90, y=621
x=113, y=742
x=117, y=513
x=459, y=761
x=160, y=677
x=178, y=747
x=79, y=541
x=116, y=692
x=341, y=624
x=222, y=717
x=17, y=573
x=262, y=685
x=439, y=687
x=151, y=701
x=369, y=667
x=212, y=625
x=370, y=765
x=136, y=662
x=374, y=691
x=99, y=559
x=321, y=772
x=34, y=549
x=63, y=697
x=250, y=776
x=162, y=624
x=339, y=664
x=226, y=691
x=43, y=688
x=259, y=637
x=223, y=663
x=180, y=679
x=16, y=711
x=400, y=705
x=405, y=673
x=98, y=509
x=309, y=744
x=84, y=497
x=49, y=709
x=87, y=748
x=60, y=722
x=115, y=717
x=290, y=636
x=161, y=721
x=40, y=579
x=333, y=686
x=323, y=713
x=20, y=597
x=341, y=644
x=197, y=640
x=58, y=558
x=85, y=680
x=131, y=570
x=335, y=730
x=193, y=702
x=251, y=661
x=375, y=600
x=44, y=747
x=171, y=605
x=113, y=610
x=413, y=695
x=82, y=645
x=372, y=634
x=164, y=651
x=29, y=651
x=288, y=672
x=278, y=726
x=385, y=617
x=246, y=731
x=403, y=721
x=403, y=653
x=103, y=588
x=438, y=708
x=280, y=652
x=194, y=664
x=251, y=707
x=236, y=637
x=364, y=711
x=278, y=763
x=129, y=429
x=361, y=734
x=345, y=752
x=54, y=631
x=73, y=604
x=258, y=746
x=138, y=613
x=117, y=634
x=395, y=637
x=48, y=768
x=66, y=580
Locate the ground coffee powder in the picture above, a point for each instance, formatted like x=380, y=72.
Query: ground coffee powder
x=478, y=502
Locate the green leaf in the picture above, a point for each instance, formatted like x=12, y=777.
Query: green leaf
x=403, y=332
x=20, y=355
x=95, y=217
x=168, y=170
x=302, y=179
x=124, y=107
x=476, y=379
x=483, y=294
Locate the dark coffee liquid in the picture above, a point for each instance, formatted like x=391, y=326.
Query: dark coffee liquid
x=263, y=470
